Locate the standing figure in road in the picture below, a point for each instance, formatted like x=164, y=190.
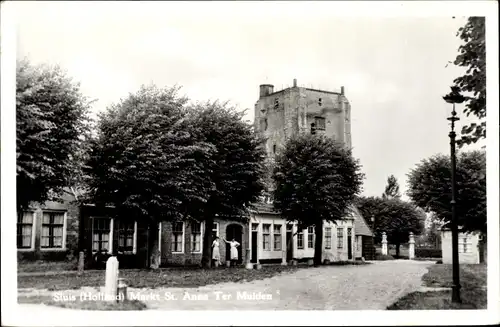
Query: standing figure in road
x=233, y=251
x=216, y=252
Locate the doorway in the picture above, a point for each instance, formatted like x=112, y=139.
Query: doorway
x=236, y=232
x=349, y=243
x=289, y=242
x=255, y=242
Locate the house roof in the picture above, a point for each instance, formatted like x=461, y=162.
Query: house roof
x=360, y=225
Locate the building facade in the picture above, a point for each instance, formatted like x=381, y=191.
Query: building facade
x=469, y=249
x=283, y=114
x=56, y=229
x=49, y=231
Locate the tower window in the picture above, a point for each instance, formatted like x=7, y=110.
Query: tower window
x=263, y=124
x=319, y=102
x=319, y=123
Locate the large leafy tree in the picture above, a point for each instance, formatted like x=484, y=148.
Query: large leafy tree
x=236, y=169
x=472, y=56
x=395, y=217
x=51, y=127
x=145, y=162
x=316, y=179
x=392, y=188
x=429, y=187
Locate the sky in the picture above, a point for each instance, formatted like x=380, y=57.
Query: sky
x=393, y=68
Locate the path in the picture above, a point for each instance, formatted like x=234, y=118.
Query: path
x=365, y=287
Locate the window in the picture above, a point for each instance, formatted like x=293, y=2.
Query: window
x=25, y=230
x=126, y=232
x=300, y=240
x=289, y=227
x=277, y=237
x=100, y=234
x=319, y=102
x=274, y=148
x=328, y=238
x=276, y=103
x=195, y=237
x=215, y=230
x=266, y=235
x=177, y=236
x=255, y=227
x=52, y=230
x=464, y=244
x=310, y=237
x=263, y=124
x=319, y=123
x=340, y=238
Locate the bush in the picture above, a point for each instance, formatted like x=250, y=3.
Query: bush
x=428, y=253
x=383, y=257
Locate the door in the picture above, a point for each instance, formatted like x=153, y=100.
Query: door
x=289, y=242
x=349, y=243
x=235, y=232
x=255, y=243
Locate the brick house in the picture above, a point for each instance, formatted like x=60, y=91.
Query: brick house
x=49, y=231
x=181, y=243
x=56, y=229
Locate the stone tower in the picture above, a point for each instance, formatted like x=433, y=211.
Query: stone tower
x=294, y=110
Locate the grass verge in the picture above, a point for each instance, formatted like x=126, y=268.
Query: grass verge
x=45, y=266
x=82, y=304
x=473, y=292
x=173, y=277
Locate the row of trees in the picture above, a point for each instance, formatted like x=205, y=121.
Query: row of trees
x=429, y=191
x=155, y=157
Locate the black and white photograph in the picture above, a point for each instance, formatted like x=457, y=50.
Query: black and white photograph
x=175, y=163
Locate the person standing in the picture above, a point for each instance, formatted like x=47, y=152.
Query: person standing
x=216, y=252
x=233, y=251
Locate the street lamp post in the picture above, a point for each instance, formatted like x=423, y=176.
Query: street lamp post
x=454, y=97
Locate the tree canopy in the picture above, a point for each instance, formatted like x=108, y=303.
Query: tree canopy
x=395, y=217
x=51, y=128
x=472, y=56
x=392, y=188
x=145, y=163
x=315, y=179
x=429, y=187
x=236, y=169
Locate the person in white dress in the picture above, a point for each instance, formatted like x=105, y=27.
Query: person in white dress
x=216, y=251
x=233, y=251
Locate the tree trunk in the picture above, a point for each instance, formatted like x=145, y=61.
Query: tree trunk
x=206, y=260
x=318, y=247
x=397, y=250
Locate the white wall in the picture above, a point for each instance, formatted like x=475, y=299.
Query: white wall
x=271, y=253
x=335, y=253
x=472, y=254
x=332, y=254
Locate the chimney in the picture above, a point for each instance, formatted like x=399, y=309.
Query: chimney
x=342, y=90
x=266, y=89
x=294, y=82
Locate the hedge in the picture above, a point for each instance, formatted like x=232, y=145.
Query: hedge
x=382, y=257
x=428, y=253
